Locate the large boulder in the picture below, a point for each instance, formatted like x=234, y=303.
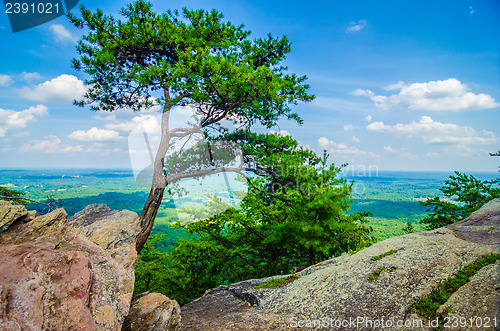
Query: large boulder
x=360, y=291
x=10, y=214
x=482, y=226
x=153, y=312
x=66, y=275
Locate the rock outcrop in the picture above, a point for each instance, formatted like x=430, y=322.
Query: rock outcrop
x=360, y=292
x=153, y=312
x=59, y=274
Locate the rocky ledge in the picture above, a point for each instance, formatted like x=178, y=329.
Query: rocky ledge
x=380, y=283
x=72, y=274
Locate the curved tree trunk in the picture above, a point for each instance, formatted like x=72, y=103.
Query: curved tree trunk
x=148, y=216
x=159, y=182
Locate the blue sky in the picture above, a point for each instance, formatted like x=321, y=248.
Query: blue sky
x=399, y=85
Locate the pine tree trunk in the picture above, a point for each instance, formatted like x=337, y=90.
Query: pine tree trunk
x=159, y=183
x=148, y=216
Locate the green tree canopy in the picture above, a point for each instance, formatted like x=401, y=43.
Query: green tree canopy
x=297, y=216
x=194, y=58
x=465, y=194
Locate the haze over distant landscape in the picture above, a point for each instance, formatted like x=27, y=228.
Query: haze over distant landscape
x=399, y=85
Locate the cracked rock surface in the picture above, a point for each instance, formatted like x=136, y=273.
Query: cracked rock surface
x=340, y=290
x=59, y=274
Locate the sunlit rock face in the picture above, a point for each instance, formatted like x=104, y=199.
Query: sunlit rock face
x=59, y=274
x=151, y=312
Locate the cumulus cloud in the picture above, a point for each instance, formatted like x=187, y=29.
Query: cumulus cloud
x=441, y=95
x=10, y=119
x=349, y=127
x=368, y=118
x=149, y=123
x=28, y=76
x=336, y=149
x=356, y=26
x=432, y=132
x=323, y=142
x=50, y=144
x=64, y=88
x=5, y=80
x=61, y=34
x=355, y=139
x=95, y=134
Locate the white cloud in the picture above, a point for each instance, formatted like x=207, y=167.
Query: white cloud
x=5, y=80
x=441, y=95
x=21, y=134
x=28, y=76
x=107, y=117
x=356, y=26
x=64, y=88
x=10, y=119
x=391, y=150
x=283, y=133
x=403, y=151
x=461, y=150
x=61, y=34
x=396, y=86
x=323, y=142
x=368, y=118
x=433, y=154
x=431, y=131
x=102, y=149
x=95, y=134
x=349, y=127
x=355, y=139
x=149, y=123
x=51, y=144
x=336, y=149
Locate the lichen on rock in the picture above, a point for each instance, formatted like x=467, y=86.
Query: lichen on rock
x=340, y=289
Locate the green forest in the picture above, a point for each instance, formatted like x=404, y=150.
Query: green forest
x=179, y=259
x=298, y=207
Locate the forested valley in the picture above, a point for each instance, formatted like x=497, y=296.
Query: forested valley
x=182, y=262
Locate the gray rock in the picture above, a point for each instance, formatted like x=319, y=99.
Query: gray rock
x=340, y=294
x=479, y=299
x=482, y=226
